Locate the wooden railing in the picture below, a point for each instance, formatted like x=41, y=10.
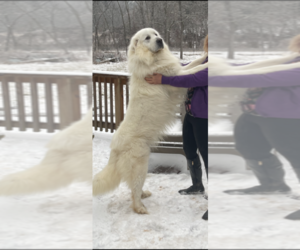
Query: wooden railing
x=53, y=99
x=110, y=99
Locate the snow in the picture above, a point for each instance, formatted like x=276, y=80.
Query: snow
x=60, y=219
x=122, y=66
x=36, y=73
x=115, y=73
x=248, y=222
x=80, y=66
x=174, y=221
x=222, y=127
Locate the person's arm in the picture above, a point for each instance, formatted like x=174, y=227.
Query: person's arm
x=199, y=79
x=286, y=78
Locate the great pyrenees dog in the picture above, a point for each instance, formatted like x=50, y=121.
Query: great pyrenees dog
x=68, y=159
x=151, y=110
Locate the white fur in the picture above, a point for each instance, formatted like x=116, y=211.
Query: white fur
x=68, y=159
x=151, y=109
x=219, y=67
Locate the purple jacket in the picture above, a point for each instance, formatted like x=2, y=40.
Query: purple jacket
x=197, y=81
x=280, y=99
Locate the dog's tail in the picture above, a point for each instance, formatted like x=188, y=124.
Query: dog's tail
x=106, y=180
x=40, y=178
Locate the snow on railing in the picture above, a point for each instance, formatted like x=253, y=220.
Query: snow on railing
x=112, y=73
x=43, y=100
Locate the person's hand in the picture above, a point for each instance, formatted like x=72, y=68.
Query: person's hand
x=154, y=79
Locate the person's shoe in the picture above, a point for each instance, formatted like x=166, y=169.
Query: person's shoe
x=196, y=175
x=293, y=216
x=205, y=216
x=191, y=190
x=270, y=174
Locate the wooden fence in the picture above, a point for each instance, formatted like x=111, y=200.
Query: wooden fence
x=36, y=90
x=110, y=98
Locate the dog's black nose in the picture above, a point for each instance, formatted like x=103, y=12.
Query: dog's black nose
x=159, y=41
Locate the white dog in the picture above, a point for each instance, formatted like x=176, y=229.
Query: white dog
x=68, y=159
x=151, y=109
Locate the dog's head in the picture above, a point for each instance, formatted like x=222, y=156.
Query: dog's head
x=145, y=44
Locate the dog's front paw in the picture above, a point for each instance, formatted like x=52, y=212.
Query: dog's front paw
x=146, y=194
x=140, y=210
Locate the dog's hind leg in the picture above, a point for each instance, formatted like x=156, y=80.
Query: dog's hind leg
x=138, y=176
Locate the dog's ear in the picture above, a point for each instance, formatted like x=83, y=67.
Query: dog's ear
x=132, y=47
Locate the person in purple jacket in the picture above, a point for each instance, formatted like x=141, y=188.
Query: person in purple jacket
x=195, y=124
x=270, y=120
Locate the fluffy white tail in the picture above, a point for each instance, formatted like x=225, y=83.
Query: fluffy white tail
x=68, y=159
x=106, y=180
x=39, y=178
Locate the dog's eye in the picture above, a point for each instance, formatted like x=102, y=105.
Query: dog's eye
x=155, y=34
x=148, y=37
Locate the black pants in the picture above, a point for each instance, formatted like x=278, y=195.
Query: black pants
x=195, y=135
x=256, y=136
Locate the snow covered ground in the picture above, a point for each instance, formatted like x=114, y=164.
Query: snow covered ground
x=174, y=221
x=60, y=219
x=248, y=222
x=57, y=220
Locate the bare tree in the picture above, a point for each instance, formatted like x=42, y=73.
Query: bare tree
x=128, y=15
x=36, y=25
x=124, y=27
x=259, y=25
x=184, y=28
x=82, y=27
x=181, y=28
x=232, y=28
